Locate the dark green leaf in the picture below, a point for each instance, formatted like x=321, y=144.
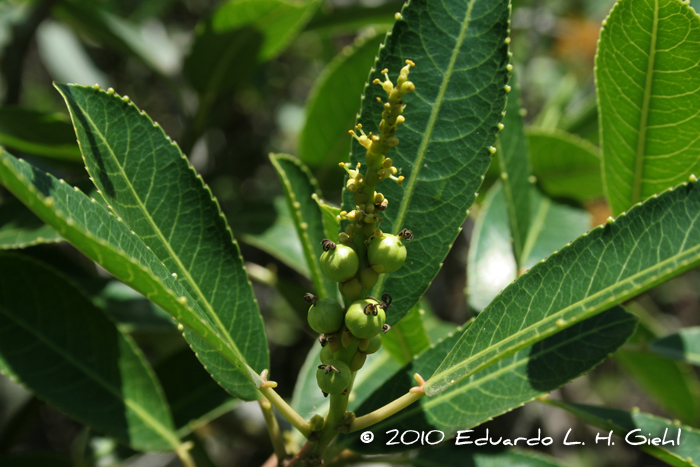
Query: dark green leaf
x=514, y=161
x=132, y=311
x=451, y=455
x=105, y=239
x=19, y=228
x=279, y=239
x=407, y=338
x=194, y=397
x=451, y=122
x=150, y=185
x=38, y=133
x=354, y=17
x=509, y=383
x=299, y=187
x=648, y=74
x=491, y=265
x=648, y=426
x=655, y=241
x=565, y=165
x=56, y=342
x=333, y=103
x=683, y=345
x=673, y=385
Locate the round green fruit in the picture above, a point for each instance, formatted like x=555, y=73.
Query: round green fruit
x=326, y=354
x=340, y=263
x=333, y=377
x=374, y=344
x=386, y=254
x=352, y=290
x=326, y=316
x=368, y=278
x=365, y=326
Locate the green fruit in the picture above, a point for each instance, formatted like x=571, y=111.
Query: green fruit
x=333, y=381
x=374, y=344
x=340, y=263
x=326, y=316
x=326, y=354
x=358, y=361
x=368, y=278
x=352, y=290
x=386, y=254
x=361, y=325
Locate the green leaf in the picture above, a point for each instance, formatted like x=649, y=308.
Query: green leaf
x=57, y=343
x=671, y=384
x=279, y=21
x=353, y=18
x=507, y=384
x=19, y=228
x=450, y=455
x=131, y=311
x=514, y=161
x=105, y=239
x=623, y=423
x=333, y=103
x=655, y=241
x=408, y=337
x=451, y=122
x=38, y=133
x=194, y=397
x=683, y=345
x=279, y=239
x=151, y=186
x=331, y=219
x=648, y=74
x=491, y=264
x=299, y=187
x=565, y=165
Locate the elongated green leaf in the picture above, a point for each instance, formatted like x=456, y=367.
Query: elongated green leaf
x=407, y=338
x=331, y=219
x=514, y=160
x=299, y=188
x=655, y=241
x=354, y=17
x=565, y=165
x=451, y=122
x=648, y=74
x=640, y=427
x=38, y=133
x=683, y=345
x=498, y=388
x=194, y=397
x=131, y=311
x=450, y=455
x=105, y=239
x=491, y=264
x=19, y=228
x=56, y=342
x=150, y=185
x=279, y=239
x=673, y=385
x=333, y=104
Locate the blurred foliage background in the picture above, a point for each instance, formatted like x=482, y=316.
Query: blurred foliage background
x=233, y=82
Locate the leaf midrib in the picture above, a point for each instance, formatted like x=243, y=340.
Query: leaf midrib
x=644, y=119
x=422, y=150
x=544, y=322
x=175, y=257
x=138, y=410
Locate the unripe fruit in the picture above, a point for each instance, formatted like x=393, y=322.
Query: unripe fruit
x=365, y=326
x=352, y=290
x=326, y=316
x=339, y=263
x=386, y=254
x=358, y=361
x=326, y=354
x=334, y=377
x=373, y=345
x=368, y=278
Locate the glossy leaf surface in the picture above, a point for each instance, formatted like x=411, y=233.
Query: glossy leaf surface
x=652, y=243
x=451, y=122
x=58, y=344
x=647, y=76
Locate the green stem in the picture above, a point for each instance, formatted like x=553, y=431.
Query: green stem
x=286, y=411
x=183, y=452
x=273, y=429
x=386, y=411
